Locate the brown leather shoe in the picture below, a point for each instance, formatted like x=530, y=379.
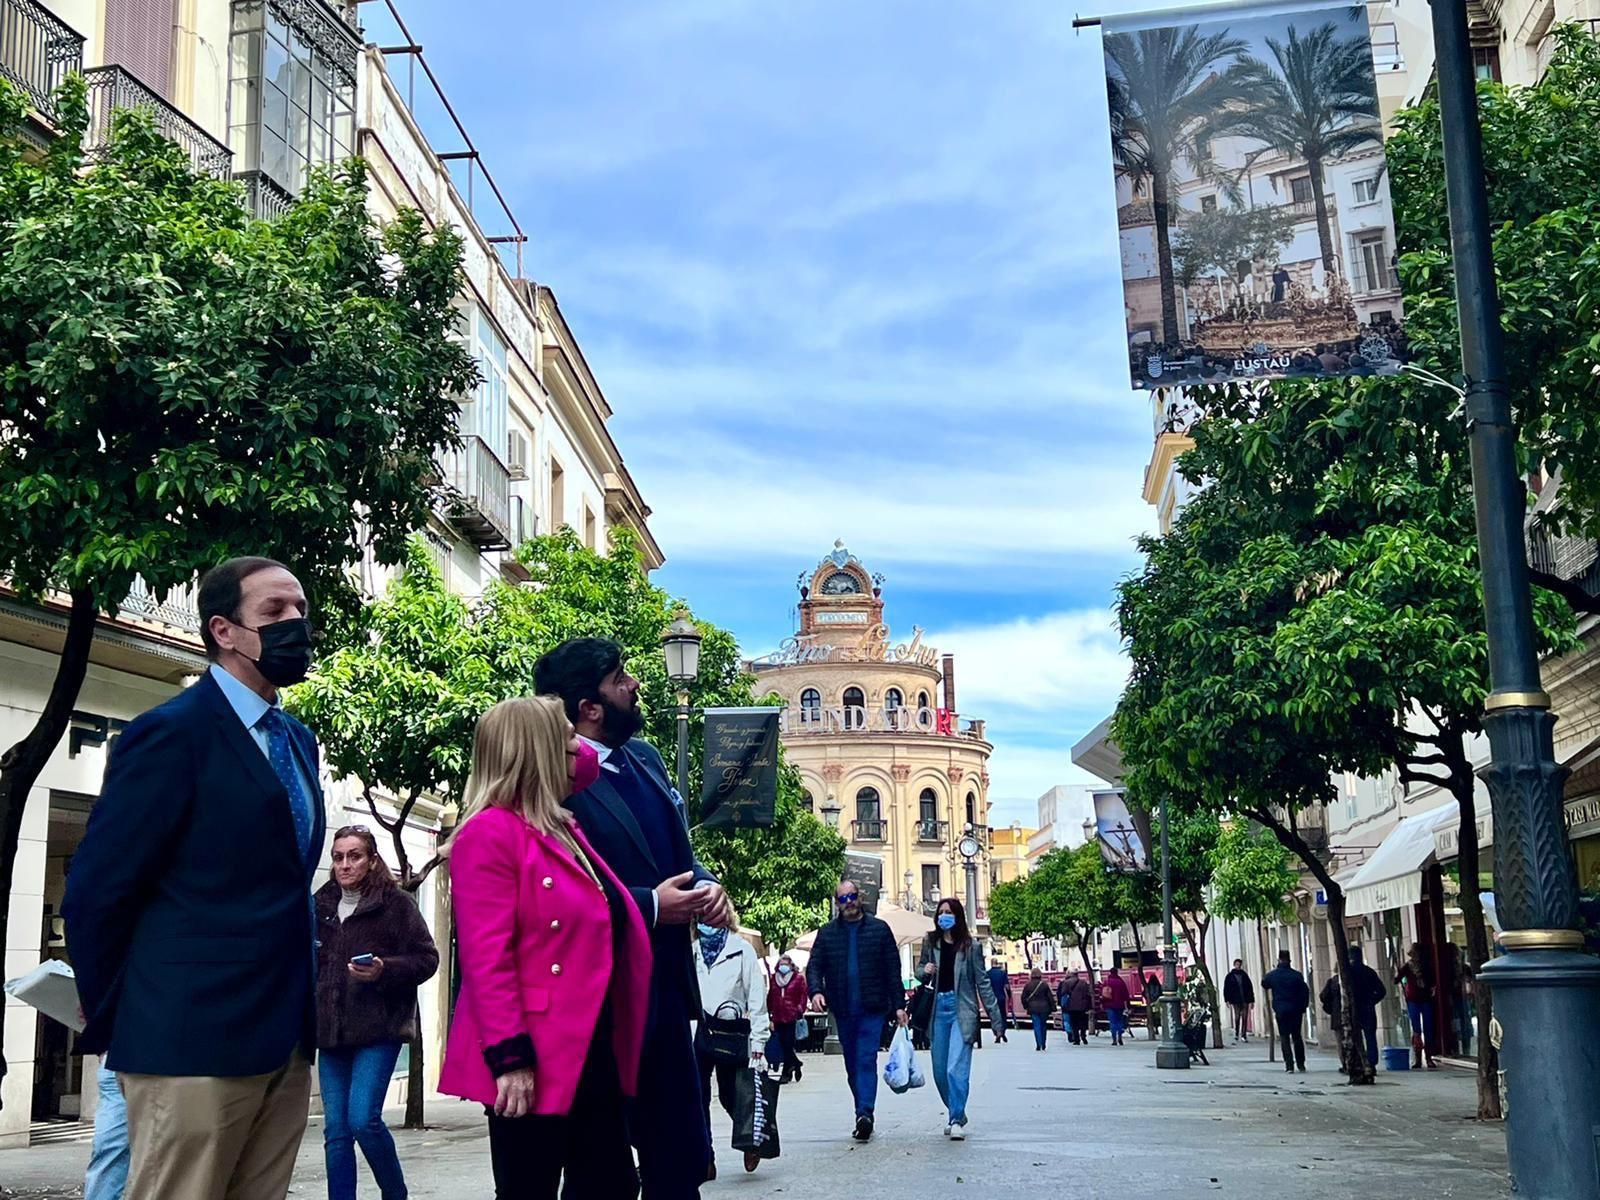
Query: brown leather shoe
x=711, y=1171
x=752, y=1160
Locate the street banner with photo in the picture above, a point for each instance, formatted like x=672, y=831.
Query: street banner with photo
x=1120, y=843
x=741, y=769
x=1253, y=210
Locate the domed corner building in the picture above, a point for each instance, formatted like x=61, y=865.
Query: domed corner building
x=873, y=725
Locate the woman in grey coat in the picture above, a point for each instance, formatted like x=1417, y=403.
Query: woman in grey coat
x=950, y=963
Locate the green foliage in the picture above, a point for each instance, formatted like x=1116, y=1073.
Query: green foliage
x=1250, y=875
x=395, y=704
x=1542, y=166
x=180, y=383
x=1226, y=239
x=1011, y=912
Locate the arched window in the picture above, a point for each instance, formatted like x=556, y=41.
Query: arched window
x=928, y=806
x=855, y=709
x=972, y=808
x=809, y=802
x=810, y=706
x=922, y=701
x=893, y=701
x=869, y=815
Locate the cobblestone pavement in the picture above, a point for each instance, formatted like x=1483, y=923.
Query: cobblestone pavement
x=1095, y=1119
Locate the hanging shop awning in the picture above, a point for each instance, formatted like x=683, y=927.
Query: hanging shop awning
x=1392, y=878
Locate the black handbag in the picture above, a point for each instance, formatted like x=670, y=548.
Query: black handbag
x=726, y=1039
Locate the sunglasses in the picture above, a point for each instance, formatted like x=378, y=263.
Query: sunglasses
x=848, y=899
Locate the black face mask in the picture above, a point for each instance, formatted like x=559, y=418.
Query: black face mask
x=285, y=651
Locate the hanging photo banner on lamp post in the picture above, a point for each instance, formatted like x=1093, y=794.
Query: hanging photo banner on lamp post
x=1253, y=208
x=1120, y=844
x=741, y=768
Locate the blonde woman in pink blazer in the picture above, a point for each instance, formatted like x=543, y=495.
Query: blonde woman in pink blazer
x=550, y=1022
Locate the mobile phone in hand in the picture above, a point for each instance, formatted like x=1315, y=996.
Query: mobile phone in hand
x=362, y=960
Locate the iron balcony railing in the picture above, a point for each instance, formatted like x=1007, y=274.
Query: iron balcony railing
x=37, y=51
x=1573, y=559
x=113, y=87
x=263, y=196
x=932, y=831
x=478, y=490
x=867, y=831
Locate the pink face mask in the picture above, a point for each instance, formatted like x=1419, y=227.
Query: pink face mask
x=585, y=768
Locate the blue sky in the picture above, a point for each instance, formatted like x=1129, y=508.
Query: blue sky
x=850, y=271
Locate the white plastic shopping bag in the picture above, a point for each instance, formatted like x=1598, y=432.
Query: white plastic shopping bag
x=900, y=1072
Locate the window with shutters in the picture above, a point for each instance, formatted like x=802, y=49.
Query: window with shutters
x=518, y=450
x=139, y=40
x=292, y=91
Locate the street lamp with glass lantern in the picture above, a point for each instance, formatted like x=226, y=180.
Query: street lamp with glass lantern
x=681, y=646
x=830, y=811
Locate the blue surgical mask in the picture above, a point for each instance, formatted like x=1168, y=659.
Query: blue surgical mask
x=707, y=930
x=947, y=921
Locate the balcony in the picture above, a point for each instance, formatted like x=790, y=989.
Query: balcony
x=264, y=199
x=477, y=489
x=37, y=52
x=112, y=88
x=179, y=608
x=1574, y=560
x=866, y=831
x=932, y=832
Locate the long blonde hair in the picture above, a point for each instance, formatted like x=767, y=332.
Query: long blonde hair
x=519, y=762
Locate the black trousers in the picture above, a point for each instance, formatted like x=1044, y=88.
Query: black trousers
x=588, y=1147
x=668, y=1118
x=727, y=1083
x=1079, y=1022
x=788, y=1057
x=1290, y=1038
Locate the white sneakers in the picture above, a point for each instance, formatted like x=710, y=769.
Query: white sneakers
x=958, y=1133
x=947, y=1130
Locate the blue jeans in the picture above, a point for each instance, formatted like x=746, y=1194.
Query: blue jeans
x=859, y=1037
x=107, y=1175
x=952, y=1057
x=1422, y=1024
x=1118, y=1019
x=353, y=1087
x=1039, y=1027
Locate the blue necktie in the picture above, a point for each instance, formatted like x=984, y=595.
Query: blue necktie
x=281, y=756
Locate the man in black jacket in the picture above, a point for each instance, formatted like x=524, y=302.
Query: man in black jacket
x=1238, y=993
x=854, y=973
x=1369, y=993
x=1291, y=996
x=634, y=818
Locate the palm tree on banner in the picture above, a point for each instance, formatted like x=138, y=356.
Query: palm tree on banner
x=1165, y=87
x=1315, y=101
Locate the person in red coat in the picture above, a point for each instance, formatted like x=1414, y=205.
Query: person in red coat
x=786, y=1004
x=1114, y=997
x=549, y=1026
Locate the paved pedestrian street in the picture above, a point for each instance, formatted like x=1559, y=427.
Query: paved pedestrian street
x=1098, y=1121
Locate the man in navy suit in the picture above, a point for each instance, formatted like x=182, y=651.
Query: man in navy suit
x=188, y=907
x=636, y=821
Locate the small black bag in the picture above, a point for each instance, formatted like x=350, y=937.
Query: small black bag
x=755, y=1113
x=726, y=1039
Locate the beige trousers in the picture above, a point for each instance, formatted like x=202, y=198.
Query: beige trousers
x=201, y=1137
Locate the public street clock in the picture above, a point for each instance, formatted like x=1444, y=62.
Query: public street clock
x=968, y=846
x=841, y=583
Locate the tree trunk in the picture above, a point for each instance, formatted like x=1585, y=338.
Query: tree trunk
x=1196, y=937
x=1160, y=191
x=414, y=1119
x=1357, y=1068
x=1319, y=196
x=23, y=763
x=1462, y=784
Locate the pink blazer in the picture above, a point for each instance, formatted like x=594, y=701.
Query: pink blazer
x=537, y=959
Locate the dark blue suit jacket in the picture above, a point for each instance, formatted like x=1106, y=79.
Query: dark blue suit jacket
x=614, y=832
x=187, y=908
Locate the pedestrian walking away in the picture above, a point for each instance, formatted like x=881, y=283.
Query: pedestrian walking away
x=733, y=1029
x=854, y=973
x=1239, y=994
x=373, y=952
x=1415, y=981
x=1080, y=1008
x=1114, y=995
x=951, y=961
x=787, y=998
x=1000, y=1010
x=1290, y=996
x=188, y=907
x=1456, y=982
x=106, y=1177
x=549, y=1029
x=1038, y=1003
x=1152, y=1005
x=1368, y=992
x=635, y=819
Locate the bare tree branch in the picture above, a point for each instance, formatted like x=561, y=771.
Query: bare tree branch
x=1577, y=598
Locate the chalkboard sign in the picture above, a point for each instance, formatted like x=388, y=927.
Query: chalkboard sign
x=741, y=768
x=866, y=872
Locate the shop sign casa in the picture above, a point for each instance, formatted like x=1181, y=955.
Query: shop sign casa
x=1582, y=816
